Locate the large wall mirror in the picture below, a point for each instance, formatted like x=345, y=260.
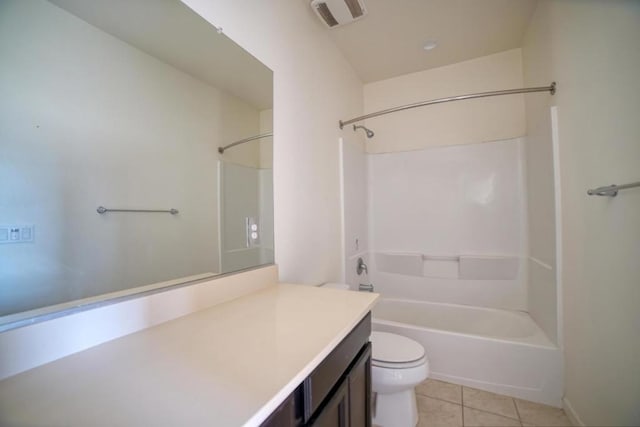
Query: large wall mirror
x=114, y=176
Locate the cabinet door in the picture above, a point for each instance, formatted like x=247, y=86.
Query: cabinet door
x=336, y=412
x=288, y=414
x=332, y=370
x=360, y=390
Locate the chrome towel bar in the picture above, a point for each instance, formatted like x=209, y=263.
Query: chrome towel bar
x=611, y=190
x=101, y=210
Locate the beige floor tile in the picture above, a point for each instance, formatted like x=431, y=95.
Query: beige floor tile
x=477, y=418
x=541, y=415
x=440, y=390
x=438, y=413
x=489, y=402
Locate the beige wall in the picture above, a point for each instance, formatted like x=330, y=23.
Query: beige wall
x=481, y=120
x=314, y=87
x=591, y=49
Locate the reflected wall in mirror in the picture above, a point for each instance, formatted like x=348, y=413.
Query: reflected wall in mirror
x=124, y=104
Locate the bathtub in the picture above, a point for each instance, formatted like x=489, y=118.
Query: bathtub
x=495, y=350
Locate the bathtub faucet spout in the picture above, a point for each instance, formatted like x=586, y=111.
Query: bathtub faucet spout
x=365, y=288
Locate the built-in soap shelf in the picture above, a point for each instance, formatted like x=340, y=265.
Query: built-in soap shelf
x=462, y=267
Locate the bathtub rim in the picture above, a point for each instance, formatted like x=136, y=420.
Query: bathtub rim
x=538, y=339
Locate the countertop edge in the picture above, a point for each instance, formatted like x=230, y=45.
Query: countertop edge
x=263, y=413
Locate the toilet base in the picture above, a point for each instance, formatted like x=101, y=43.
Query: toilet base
x=396, y=409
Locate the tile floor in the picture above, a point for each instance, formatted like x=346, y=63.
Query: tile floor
x=442, y=404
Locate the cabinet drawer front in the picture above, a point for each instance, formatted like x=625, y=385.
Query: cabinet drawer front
x=327, y=375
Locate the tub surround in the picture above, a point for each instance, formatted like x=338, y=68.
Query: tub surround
x=455, y=233
x=231, y=364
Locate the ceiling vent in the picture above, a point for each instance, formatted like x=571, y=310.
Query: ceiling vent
x=335, y=13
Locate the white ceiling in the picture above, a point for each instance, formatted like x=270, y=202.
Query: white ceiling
x=176, y=35
x=388, y=41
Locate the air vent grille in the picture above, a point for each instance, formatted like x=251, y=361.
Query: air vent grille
x=354, y=8
x=326, y=14
x=335, y=13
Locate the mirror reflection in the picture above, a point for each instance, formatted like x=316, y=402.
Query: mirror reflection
x=112, y=114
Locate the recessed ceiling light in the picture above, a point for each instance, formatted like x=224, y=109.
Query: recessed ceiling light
x=430, y=44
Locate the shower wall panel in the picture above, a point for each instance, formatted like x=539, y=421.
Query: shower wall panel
x=446, y=202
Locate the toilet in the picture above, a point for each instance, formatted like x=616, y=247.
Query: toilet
x=398, y=365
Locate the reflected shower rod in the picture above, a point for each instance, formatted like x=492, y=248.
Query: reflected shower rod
x=551, y=89
x=242, y=141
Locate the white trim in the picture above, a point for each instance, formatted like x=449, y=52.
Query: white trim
x=555, y=139
x=571, y=413
x=525, y=267
x=219, y=201
x=343, y=240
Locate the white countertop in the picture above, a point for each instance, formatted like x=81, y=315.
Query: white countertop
x=229, y=365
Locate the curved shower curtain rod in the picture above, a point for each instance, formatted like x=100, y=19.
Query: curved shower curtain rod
x=242, y=141
x=551, y=89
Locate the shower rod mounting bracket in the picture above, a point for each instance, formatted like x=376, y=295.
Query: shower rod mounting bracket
x=611, y=190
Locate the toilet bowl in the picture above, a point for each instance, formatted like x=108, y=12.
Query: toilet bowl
x=398, y=365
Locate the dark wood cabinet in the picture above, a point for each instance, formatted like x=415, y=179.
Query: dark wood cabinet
x=338, y=391
x=336, y=412
x=360, y=390
x=289, y=413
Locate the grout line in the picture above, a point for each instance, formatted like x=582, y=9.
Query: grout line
x=438, y=398
x=517, y=410
x=493, y=413
x=519, y=418
x=462, y=400
x=490, y=412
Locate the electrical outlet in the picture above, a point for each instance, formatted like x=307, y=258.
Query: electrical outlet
x=253, y=232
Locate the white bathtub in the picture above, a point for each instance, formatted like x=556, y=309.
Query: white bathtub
x=496, y=350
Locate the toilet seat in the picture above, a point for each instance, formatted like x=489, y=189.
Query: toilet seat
x=395, y=351
x=407, y=365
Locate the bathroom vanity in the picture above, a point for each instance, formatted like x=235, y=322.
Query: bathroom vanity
x=338, y=391
x=286, y=355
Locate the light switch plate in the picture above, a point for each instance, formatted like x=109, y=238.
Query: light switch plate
x=17, y=233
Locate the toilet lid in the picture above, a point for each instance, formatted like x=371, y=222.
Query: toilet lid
x=392, y=348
